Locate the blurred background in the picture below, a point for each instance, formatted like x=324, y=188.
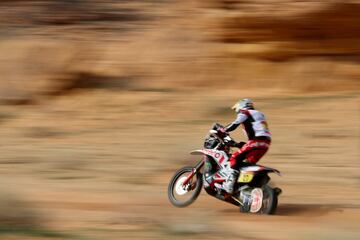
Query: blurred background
x=101, y=101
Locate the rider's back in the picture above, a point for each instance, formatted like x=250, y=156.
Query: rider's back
x=255, y=124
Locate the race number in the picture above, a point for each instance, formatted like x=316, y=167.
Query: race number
x=245, y=177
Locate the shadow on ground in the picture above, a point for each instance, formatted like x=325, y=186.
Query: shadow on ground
x=310, y=210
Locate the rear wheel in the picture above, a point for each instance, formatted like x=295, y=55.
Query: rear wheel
x=183, y=195
x=260, y=200
x=269, y=201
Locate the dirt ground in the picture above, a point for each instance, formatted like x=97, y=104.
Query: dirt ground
x=96, y=165
x=102, y=101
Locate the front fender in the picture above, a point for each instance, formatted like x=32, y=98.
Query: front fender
x=198, y=152
x=218, y=156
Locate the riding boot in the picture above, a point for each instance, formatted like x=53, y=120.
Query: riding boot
x=228, y=185
x=230, y=175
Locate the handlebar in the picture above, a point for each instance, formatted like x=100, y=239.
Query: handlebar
x=218, y=131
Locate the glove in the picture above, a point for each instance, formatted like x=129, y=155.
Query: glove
x=222, y=133
x=229, y=142
x=222, y=130
x=217, y=126
x=240, y=144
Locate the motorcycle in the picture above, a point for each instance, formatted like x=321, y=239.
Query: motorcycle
x=252, y=192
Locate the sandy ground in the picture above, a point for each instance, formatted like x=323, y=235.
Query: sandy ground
x=96, y=165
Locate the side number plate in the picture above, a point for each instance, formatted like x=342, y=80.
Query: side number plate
x=245, y=177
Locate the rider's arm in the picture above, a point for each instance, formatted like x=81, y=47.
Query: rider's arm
x=241, y=117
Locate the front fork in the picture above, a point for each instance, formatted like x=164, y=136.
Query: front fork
x=196, y=169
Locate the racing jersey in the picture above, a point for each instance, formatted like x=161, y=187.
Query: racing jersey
x=253, y=122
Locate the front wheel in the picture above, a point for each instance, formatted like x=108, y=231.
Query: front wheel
x=183, y=195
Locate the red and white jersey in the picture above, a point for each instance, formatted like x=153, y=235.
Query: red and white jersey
x=253, y=122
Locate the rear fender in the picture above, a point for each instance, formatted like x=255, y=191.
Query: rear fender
x=258, y=168
x=273, y=170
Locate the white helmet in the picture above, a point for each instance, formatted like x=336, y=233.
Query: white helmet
x=243, y=104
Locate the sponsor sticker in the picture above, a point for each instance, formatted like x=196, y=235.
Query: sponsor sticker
x=257, y=197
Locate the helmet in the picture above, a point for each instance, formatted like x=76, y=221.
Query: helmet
x=243, y=104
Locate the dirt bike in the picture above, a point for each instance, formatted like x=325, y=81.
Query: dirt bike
x=252, y=192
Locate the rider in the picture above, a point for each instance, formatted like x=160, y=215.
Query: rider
x=257, y=131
